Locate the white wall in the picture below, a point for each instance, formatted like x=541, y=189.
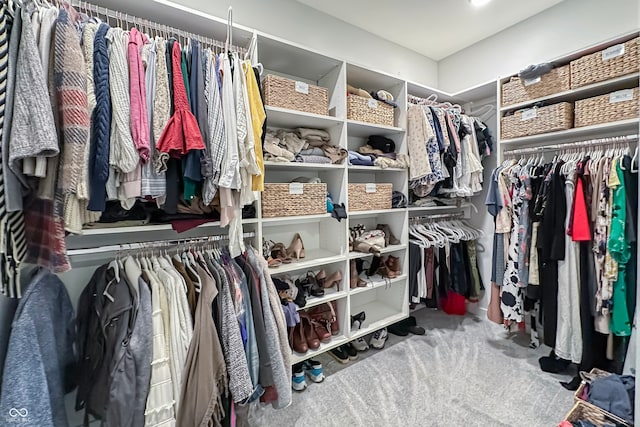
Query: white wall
x=565, y=28
x=298, y=23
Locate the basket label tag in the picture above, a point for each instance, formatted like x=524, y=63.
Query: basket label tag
x=370, y=188
x=621, y=96
x=296, y=188
x=372, y=103
x=613, y=52
x=529, y=82
x=531, y=113
x=302, y=87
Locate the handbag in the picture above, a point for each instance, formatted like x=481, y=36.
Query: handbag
x=325, y=314
x=372, y=237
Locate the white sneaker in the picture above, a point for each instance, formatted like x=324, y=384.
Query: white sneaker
x=314, y=371
x=298, y=382
x=378, y=339
x=360, y=344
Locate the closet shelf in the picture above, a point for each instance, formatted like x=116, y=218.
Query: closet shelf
x=147, y=228
x=335, y=342
x=294, y=219
x=375, y=282
x=385, y=250
x=434, y=208
x=386, y=315
x=596, y=131
x=358, y=168
x=600, y=88
x=365, y=130
x=287, y=166
x=291, y=119
x=329, y=295
x=314, y=258
x=375, y=212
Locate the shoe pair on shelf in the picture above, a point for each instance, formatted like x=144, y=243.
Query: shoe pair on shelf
x=406, y=326
x=312, y=369
x=316, y=326
x=313, y=285
x=278, y=254
x=344, y=353
x=389, y=267
x=377, y=341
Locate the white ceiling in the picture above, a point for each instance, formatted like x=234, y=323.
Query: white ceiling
x=434, y=28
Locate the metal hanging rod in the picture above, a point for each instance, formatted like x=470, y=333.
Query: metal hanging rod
x=570, y=145
x=456, y=215
x=166, y=30
x=153, y=244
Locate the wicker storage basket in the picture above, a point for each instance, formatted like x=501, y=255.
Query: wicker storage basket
x=591, y=408
x=612, y=107
x=366, y=197
x=520, y=90
x=586, y=412
x=537, y=120
x=606, y=64
x=294, y=199
x=369, y=110
x=286, y=93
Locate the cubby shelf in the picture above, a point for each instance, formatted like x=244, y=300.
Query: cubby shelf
x=314, y=258
x=335, y=342
x=376, y=282
x=329, y=295
x=291, y=166
x=385, y=316
x=385, y=250
x=362, y=129
x=291, y=119
x=278, y=220
x=376, y=212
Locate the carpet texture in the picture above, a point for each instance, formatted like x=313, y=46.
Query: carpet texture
x=465, y=371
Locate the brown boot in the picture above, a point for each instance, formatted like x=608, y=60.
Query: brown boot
x=297, y=339
x=393, y=263
x=309, y=333
x=389, y=238
x=354, y=278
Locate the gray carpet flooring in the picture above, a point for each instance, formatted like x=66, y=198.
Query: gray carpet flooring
x=465, y=371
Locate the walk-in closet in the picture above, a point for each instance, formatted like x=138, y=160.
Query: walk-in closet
x=306, y=213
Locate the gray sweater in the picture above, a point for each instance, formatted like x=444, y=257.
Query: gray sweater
x=40, y=357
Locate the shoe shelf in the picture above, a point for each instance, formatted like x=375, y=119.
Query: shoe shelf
x=314, y=258
x=375, y=282
x=382, y=306
x=330, y=294
x=385, y=250
x=335, y=341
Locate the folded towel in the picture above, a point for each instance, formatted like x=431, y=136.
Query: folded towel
x=302, y=158
x=313, y=134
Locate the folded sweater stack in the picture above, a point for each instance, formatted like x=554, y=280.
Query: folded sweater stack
x=379, y=151
x=301, y=145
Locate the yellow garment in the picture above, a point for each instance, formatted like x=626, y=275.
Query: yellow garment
x=258, y=116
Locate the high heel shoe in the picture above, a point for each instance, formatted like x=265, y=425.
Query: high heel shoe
x=358, y=319
x=321, y=278
x=279, y=252
x=354, y=278
x=334, y=280
x=296, y=248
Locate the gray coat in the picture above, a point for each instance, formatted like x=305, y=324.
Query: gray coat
x=40, y=357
